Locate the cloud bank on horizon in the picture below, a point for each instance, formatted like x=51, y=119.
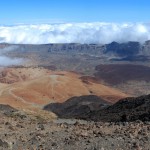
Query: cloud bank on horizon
x=99, y=33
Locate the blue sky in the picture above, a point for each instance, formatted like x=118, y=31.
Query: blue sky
x=55, y=11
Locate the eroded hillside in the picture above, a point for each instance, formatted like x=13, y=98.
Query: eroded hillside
x=36, y=87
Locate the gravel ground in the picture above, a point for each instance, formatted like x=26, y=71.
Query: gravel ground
x=27, y=132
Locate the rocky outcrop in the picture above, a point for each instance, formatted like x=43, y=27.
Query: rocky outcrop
x=125, y=110
x=123, y=49
x=96, y=109
x=77, y=106
x=6, y=109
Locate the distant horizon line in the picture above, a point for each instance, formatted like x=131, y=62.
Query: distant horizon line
x=73, y=43
x=73, y=22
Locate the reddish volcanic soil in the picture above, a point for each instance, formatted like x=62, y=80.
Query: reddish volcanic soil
x=121, y=73
x=33, y=88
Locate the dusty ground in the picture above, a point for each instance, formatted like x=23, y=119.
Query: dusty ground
x=21, y=131
x=131, y=79
x=28, y=88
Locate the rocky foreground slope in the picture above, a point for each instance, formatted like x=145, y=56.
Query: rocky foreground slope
x=122, y=126
x=22, y=131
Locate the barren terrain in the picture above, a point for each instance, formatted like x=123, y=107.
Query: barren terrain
x=20, y=130
x=36, y=87
x=72, y=82
x=131, y=79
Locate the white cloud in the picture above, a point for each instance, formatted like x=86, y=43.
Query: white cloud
x=75, y=33
x=6, y=61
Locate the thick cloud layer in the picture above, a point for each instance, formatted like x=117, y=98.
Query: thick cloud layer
x=75, y=33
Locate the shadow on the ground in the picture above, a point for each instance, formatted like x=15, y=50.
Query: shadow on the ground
x=94, y=108
x=76, y=107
